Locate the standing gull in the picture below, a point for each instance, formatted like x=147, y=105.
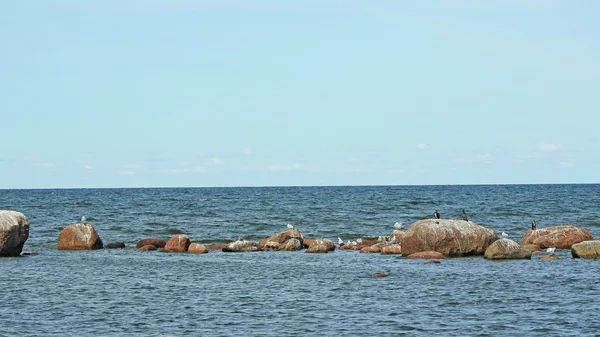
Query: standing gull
x=464, y=215
x=290, y=226
x=83, y=220
x=398, y=225
x=504, y=234
x=436, y=214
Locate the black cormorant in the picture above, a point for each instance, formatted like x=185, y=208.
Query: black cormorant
x=464, y=215
x=533, y=225
x=436, y=214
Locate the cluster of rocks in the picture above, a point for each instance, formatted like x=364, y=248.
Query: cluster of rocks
x=424, y=239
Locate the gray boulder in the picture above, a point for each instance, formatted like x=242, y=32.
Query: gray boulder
x=14, y=231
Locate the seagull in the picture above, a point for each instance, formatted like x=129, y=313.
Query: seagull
x=340, y=241
x=436, y=214
x=393, y=240
x=533, y=225
x=464, y=215
x=348, y=243
x=398, y=225
x=359, y=240
x=504, y=234
x=83, y=220
x=550, y=250
x=290, y=226
x=380, y=239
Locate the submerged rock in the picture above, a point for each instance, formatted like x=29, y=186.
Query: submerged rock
x=158, y=243
x=177, y=244
x=115, y=245
x=79, y=237
x=147, y=248
x=548, y=258
x=449, y=237
x=426, y=255
x=14, y=231
x=507, y=249
x=586, y=250
x=561, y=237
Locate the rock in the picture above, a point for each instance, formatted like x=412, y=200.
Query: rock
x=216, y=246
x=158, y=243
x=147, y=248
x=561, y=237
x=114, y=245
x=586, y=250
x=506, y=249
x=426, y=255
x=197, y=248
x=79, y=237
x=548, y=258
x=14, y=231
x=271, y=242
x=291, y=245
x=371, y=249
x=449, y=237
x=380, y=275
x=320, y=242
x=431, y=261
x=534, y=249
x=317, y=249
x=177, y=244
x=398, y=235
x=241, y=246
x=393, y=249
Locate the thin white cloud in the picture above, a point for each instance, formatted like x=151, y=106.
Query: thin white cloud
x=421, y=146
x=566, y=164
x=44, y=164
x=198, y=169
x=549, y=147
x=217, y=161
x=294, y=167
x=88, y=167
x=247, y=151
x=131, y=166
x=127, y=173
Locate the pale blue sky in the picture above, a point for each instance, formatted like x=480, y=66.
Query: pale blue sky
x=123, y=93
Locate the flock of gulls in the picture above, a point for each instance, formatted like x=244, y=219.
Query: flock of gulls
x=398, y=226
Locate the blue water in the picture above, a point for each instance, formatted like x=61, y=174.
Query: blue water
x=126, y=292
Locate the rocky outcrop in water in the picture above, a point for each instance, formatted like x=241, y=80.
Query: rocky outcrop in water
x=561, y=237
x=14, y=231
x=315, y=245
x=392, y=249
x=197, y=248
x=239, y=246
x=158, y=243
x=426, y=255
x=506, y=249
x=79, y=237
x=279, y=241
x=177, y=244
x=452, y=238
x=147, y=248
x=586, y=250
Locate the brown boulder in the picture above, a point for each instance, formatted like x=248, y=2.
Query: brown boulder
x=197, y=248
x=147, y=248
x=158, y=243
x=241, y=246
x=397, y=235
x=177, y=244
x=371, y=249
x=115, y=245
x=586, y=250
x=449, y=237
x=506, y=249
x=432, y=261
x=317, y=249
x=216, y=246
x=320, y=242
x=291, y=245
x=14, y=231
x=271, y=243
x=79, y=237
x=393, y=249
x=534, y=249
x=426, y=255
x=380, y=275
x=561, y=237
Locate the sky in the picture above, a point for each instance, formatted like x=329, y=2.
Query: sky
x=182, y=93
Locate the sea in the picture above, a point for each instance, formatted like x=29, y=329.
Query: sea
x=125, y=292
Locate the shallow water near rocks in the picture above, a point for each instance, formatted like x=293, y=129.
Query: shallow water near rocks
x=126, y=292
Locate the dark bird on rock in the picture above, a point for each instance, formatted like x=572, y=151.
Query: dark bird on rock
x=533, y=225
x=436, y=214
x=464, y=215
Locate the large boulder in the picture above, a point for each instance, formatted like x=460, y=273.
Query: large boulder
x=279, y=241
x=586, y=250
x=561, y=237
x=14, y=231
x=449, y=237
x=397, y=236
x=507, y=249
x=393, y=249
x=79, y=237
x=241, y=246
x=426, y=255
x=177, y=244
x=158, y=243
x=197, y=248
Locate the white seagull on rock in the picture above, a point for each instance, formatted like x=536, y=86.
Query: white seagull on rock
x=504, y=234
x=290, y=226
x=550, y=250
x=83, y=220
x=398, y=225
x=340, y=241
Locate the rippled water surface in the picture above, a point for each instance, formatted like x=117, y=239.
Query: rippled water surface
x=126, y=292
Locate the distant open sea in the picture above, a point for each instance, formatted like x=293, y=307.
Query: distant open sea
x=126, y=292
